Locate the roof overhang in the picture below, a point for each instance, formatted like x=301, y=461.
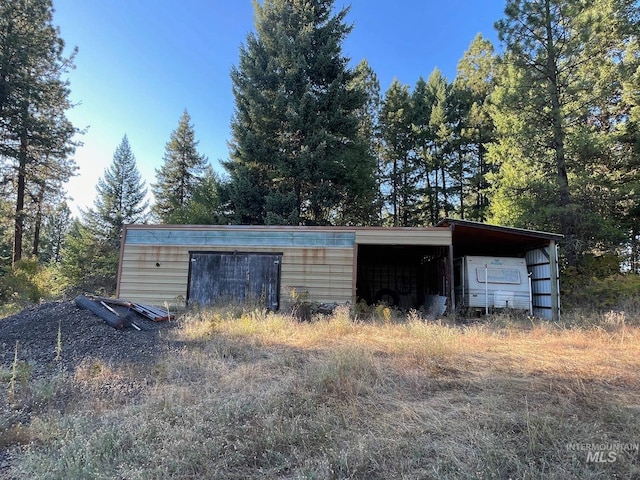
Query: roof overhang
x=475, y=238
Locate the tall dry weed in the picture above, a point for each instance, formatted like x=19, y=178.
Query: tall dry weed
x=345, y=373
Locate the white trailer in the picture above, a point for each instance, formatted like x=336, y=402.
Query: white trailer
x=485, y=283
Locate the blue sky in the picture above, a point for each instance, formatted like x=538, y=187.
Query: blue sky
x=142, y=62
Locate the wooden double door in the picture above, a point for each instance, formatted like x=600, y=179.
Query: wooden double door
x=234, y=277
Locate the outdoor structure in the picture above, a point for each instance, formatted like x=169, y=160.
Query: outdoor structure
x=406, y=267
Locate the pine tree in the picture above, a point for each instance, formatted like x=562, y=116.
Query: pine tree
x=57, y=225
x=471, y=91
x=181, y=172
x=34, y=130
x=365, y=202
x=431, y=142
x=87, y=263
x=629, y=141
x=90, y=256
x=438, y=91
x=205, y=205
x=557, y=80
x=400, y=175
x=120, y=198
x=295, y=144
x=422, y=139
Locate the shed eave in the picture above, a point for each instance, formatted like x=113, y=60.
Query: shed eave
x=451, y=222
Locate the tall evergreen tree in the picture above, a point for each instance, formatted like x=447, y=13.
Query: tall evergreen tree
x=181, y=172
x=438, y=90
x=471, y=90
x=422, y=140
x=56, y=226
x=91, y=251
x=431, y=142
x=34, y=129
x=44, y=193
x=205, y=205
x=296, y=156
x=400, y=174
x=120, y=198
x=629, y=137
x=366, y=202
x=549, y=99
x=87, y=262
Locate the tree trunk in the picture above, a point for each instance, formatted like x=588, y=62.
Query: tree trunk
x=431, y=201
x=38, y=222
x=635, y=251
x=21, y=188
x=394, y=194
x=298, y=191
x=566, y=217
x=445, y=197
x=482, y=202
x=460, y=162
x=436, y=194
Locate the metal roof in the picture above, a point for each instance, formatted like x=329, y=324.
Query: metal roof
x=475, y=238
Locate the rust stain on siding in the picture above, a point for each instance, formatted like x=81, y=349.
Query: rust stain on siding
x=311, y=257
x=314, y=254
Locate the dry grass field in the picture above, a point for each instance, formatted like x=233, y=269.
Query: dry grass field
x=248, y=394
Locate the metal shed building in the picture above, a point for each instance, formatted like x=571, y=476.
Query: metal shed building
x=201, y=264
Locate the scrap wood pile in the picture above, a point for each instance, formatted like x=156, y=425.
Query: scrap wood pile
x=119, y=313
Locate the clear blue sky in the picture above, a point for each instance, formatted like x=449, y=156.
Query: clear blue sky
x=142, y=62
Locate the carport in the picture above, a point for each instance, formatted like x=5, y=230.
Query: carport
x=538, y=248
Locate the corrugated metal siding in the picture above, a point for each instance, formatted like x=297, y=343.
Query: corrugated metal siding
x=404, y=236
x=325, y=273
x=540, y=268
x=229, y=236
x=143, y=281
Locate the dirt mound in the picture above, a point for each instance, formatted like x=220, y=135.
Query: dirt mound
x=82, y=335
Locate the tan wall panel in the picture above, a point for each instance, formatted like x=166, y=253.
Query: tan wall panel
x=310, y=270
x=143, y=278
x=173, y=288
x=155, y=297
x=403, y=236
x=319, y=255
x=319, y=294
x=317, y=279
x=326, y=273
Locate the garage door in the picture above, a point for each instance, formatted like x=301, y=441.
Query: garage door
x=236, y=277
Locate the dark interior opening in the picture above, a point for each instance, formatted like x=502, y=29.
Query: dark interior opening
x=401, y=276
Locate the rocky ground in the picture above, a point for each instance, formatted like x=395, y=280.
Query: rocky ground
x=57, y=339
x=82, y=334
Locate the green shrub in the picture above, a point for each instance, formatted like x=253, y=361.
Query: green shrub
x=18, y=284
x=28, y=282
x=598, y=285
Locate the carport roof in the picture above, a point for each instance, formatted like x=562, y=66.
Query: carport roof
x=475, y=238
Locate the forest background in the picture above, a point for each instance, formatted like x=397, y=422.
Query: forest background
x=543, y=135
